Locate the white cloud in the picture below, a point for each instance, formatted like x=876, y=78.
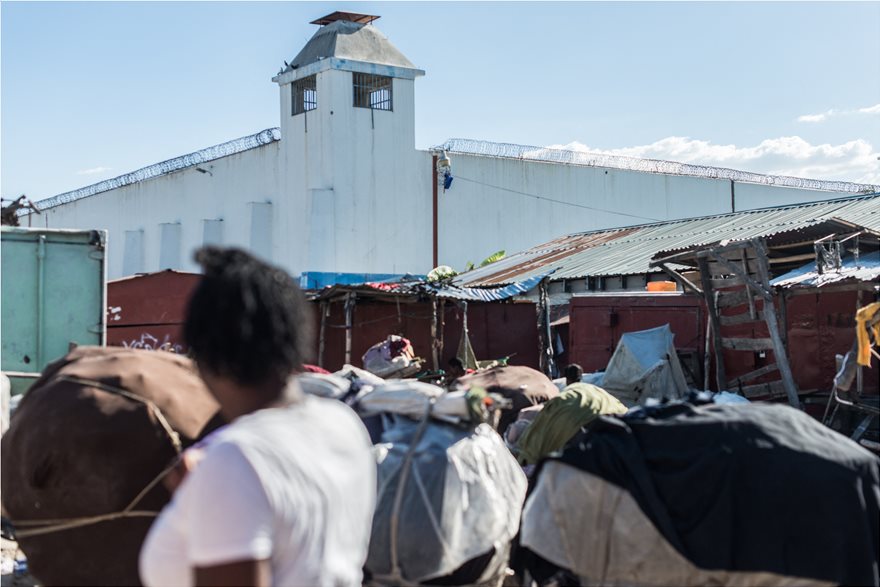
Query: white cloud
x=815, y=117
x=823, y=116
x=93, y=170
x=854, y=161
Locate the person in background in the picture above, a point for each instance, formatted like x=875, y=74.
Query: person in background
x=454, y=370
x=284, y=494
x=573, y=374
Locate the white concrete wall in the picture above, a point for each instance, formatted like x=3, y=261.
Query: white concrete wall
x=187, y=197
x=346, y=191
x=366, y=196
x=491, y=205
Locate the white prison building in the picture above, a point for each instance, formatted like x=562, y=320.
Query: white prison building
x=338, y=192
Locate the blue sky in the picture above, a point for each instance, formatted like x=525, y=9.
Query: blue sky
x=94, y=90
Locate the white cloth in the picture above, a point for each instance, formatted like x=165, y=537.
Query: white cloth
x=294, y=485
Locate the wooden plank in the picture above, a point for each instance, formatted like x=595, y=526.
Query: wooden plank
x=685, y=283
x=762, y=289
x=752, y=375
x=720, y=250
x=743, y=318
x=773, y=388
x=792, y=258
x=712, y=304
x=748, y=344
x=717, y=268
x=732, y=299
x=719, y=283
x=773, y=326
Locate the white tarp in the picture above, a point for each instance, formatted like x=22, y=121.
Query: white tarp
x=461, y=496
x=644, y=366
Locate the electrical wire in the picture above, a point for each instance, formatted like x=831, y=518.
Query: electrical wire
x=537, y=197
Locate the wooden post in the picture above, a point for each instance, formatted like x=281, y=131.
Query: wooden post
x=745, y=262
x=324, y=308
x=349, y=319
x=711, y=304
x=440, y=346
x=773, y=327
x=434, y=341
x=706, y=365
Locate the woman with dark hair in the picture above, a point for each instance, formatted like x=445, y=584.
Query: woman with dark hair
x=284, y=494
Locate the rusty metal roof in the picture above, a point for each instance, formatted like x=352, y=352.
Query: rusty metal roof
x=348, y=16
x=628, y=251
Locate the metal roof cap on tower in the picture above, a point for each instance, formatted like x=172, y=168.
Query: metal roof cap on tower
x=349, y=36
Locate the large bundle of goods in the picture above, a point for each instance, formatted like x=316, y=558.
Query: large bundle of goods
x=450, y=493
x=84, y=455
x=723, y=494
x=562, y=417
x=393, y=357
x=523, y=386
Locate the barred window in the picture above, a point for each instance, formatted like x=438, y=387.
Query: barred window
x=305, y=95
x=372, y=91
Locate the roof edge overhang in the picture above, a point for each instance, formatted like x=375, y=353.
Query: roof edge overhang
x=347, y=65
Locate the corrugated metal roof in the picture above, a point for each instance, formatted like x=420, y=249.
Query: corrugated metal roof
x=264, y=137
x=570, y=157
x=629, y=251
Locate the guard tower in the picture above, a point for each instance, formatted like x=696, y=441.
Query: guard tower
x=348, y=149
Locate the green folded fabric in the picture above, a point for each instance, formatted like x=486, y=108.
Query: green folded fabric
x=562, y=417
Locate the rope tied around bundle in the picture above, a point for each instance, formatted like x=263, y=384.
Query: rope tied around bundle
x=31, y=528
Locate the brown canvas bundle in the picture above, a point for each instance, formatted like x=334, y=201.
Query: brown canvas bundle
x=84, y=455
x=524, y=386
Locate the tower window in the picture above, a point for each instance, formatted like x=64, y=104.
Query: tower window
x=372, y=91
x=305, y=95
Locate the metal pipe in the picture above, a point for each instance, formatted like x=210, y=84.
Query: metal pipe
x=41, y=279
x=436, y=256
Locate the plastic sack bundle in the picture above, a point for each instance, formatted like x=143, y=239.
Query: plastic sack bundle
x=393, y=357
x=447, y=495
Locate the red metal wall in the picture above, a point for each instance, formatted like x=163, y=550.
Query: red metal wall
x=496, y=330
x=818, y=326
x=597, y=323
x=147, y=311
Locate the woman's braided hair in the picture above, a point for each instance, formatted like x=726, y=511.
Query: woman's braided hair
x=246, y=319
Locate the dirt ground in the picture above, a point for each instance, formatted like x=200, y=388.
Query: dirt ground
x=9, y=577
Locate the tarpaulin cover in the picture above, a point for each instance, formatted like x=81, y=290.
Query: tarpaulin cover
x=89, y=436
x=644, y=365
x=760, y=488
x=622, y=546
x=413, y=399
x=462, y=498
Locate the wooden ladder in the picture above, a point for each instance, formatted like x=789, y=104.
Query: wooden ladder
x=745, y=268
